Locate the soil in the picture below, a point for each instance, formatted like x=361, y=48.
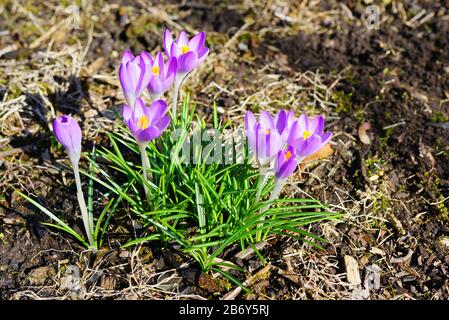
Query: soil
x=394, y=191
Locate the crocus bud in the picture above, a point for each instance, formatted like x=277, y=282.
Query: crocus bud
x=134, y=76
x=68, y=133
x=146, y=123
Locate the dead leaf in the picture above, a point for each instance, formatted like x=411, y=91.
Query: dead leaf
x=352, y=271
x=324, y=152
x=363, y=136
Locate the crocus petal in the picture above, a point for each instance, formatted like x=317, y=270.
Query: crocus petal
x=309, y=146
x=127, y=56
x=147, y=59
x=174, y=51
x=156, y=110
x=183, y=40
x=325, y=138
x=163, y=123
x=168, y=41
x=198, y=41
x=155, y=86
x=167, y=82
x=296, y=132
x=148, y=134
x=144, y=77
x=266, y=120
x=133, y=71
x=127, y=86
x=133, y=127
x=268, y=145
x=290, y=118
x=287, y=169
x=250, y=120
x=281, y=121
x=303, y=121
x=276, y=144
x=159, y=62
x=187, y=62
x=139, y=109
x=286, y=163
x=202, y=54
x=172, y=66
x=316, y=125
x=127, y=112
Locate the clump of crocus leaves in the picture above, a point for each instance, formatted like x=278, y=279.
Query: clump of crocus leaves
x=204, y=207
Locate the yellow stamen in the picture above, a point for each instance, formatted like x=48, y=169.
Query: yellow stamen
x=185, y=49
x=306, y=134
x=267, y=131
x=288, y=155
x=155, y=70
x=143, y=122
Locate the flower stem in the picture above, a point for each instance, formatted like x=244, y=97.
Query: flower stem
x=263, y=179
x=177, y=84
x=145, y=167
x=87, y=220
x=278, y=185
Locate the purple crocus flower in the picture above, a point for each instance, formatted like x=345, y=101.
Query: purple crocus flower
x=286, y=163
x=146, y=123
x=162, y=74
x=190, y=53
x=263, y=137
x=308, y=136
x=134, y=76
x=68, y=133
